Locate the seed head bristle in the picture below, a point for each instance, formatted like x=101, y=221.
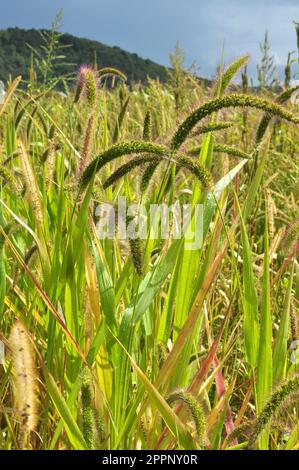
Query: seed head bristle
x=196, y=168
x=30, y=179
x=147, y=126
x=117, y=151
x=265, y=121
x=120, y=119
x=87, y=413
x=87, y=143
x=147, y=175
x=136, y=249
x=25, y=380
x=231, y=71
x=111, y=71
x=290, y=237
x=87, y=85
x=229, y=101
x=220, y=148
x=243, y=430
x=294, y=321
x=276, y=401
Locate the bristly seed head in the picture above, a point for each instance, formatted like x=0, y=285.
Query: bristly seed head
x=279, y=397
x=195, y=409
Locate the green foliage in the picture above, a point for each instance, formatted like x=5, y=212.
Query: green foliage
x=49, y=57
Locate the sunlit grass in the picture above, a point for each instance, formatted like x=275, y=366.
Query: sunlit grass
x=149, y=345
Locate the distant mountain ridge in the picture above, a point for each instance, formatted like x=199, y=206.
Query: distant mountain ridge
x=15, y=56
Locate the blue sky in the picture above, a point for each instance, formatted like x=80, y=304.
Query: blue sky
x=151, y=27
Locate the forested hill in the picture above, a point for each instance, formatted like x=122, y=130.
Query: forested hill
x=15, y=56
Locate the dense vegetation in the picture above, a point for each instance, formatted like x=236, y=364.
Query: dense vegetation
x=15, y=56
x=144, y=344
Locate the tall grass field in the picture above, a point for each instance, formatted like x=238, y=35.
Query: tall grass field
x=149, y=341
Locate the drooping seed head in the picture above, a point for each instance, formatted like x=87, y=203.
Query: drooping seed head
x=147, y=175
x=240, y=432
x=229, y=101
x=87, y=413
x=217, y=126
x=265, y=121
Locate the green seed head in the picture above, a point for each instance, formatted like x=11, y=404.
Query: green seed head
x=136, y=249
x=111, y=72
x=218, y=126
x=291, y=236
x=128, y=167
x=87, y=85
x=117, y=151
x=147, y=175
x=229, y=101
x=196, y=168
x=87, y=412
x=231, y=71
x=91, y=88
x=279, y=397
x=265, y=121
